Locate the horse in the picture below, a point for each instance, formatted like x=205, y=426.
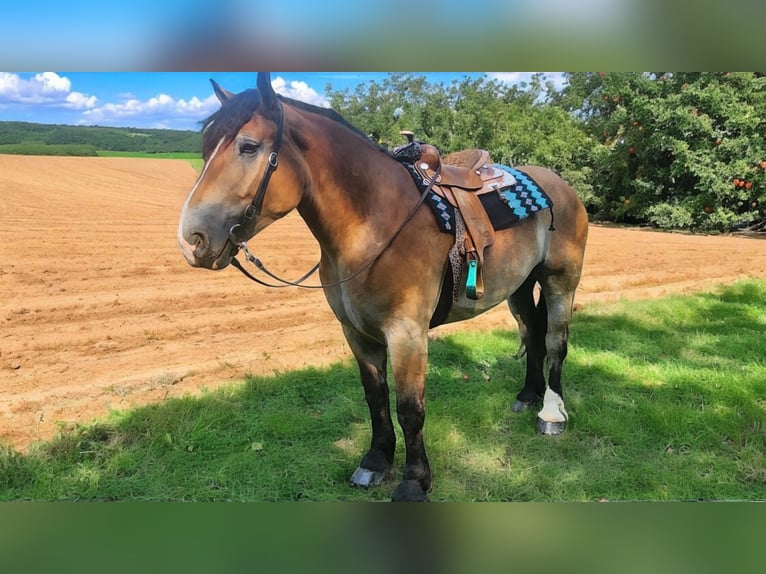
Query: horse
x=383, y=259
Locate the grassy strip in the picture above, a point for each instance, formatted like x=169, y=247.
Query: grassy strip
x=193, y=158
x=89, y=150
x=667, y=401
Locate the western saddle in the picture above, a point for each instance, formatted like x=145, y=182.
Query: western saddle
x=460, y=178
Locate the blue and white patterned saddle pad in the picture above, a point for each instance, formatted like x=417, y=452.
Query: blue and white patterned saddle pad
x=505, y=207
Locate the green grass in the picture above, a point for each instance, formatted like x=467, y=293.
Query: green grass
x=193, y=158
x=667, y=400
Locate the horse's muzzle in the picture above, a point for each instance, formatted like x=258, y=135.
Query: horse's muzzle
x=201, y=253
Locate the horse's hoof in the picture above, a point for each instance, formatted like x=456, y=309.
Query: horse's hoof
x=521, y=406
x=550, y=428
x=366, y=478
x=409, y=491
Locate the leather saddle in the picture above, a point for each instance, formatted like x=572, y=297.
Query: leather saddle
x=460, y=178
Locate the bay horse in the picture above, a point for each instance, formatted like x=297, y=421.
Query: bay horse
x=383, y=259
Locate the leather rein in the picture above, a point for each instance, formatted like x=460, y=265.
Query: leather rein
x=256, y=205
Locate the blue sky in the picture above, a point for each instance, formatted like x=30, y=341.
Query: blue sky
x=174, y=100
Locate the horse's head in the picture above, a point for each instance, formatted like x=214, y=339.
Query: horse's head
x=245, y=184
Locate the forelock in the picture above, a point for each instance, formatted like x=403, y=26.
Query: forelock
x=228, y=120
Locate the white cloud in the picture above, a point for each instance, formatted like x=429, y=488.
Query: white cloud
x=161, y=109
x=164, y=110
x=81, y=101
x=47, y=88
x=300, y=91
x=51, y=82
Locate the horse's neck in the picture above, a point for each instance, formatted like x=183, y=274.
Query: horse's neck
x=357, y=194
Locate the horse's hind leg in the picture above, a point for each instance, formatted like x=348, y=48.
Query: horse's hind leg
x=371, y=358
x=532, y=320
x=558, y=292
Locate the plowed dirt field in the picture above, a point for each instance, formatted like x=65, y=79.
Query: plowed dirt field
x=99, y=310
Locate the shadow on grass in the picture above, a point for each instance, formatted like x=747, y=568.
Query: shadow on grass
x=667, y=401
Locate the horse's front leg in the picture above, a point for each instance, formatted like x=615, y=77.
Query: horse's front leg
x=371, y=358
x=408, y=347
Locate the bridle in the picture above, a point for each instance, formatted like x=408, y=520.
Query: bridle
x=254, y=209
x=256, y=205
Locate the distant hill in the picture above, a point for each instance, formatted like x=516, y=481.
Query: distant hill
x=48, y=139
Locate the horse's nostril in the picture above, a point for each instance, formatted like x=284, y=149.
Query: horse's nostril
x=200, y=242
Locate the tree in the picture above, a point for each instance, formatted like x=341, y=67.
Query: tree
x=677, y=150
x=516, y=124
x=674, y=150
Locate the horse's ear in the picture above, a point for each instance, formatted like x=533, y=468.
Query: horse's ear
x=268, y=96
x=222, y=94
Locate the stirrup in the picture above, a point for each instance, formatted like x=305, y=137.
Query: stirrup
x=470, y=282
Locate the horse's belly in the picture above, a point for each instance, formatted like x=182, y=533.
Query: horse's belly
x=464, y=308
x=507, y=264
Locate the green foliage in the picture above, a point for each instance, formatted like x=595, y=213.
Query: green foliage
x=676, y=150
x=44, y=139
x=36, y=148
x=515, y=124
x=666, y=398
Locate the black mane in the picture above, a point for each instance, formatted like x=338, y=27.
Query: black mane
x=236, y=112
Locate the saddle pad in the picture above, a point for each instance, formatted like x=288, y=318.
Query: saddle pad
x=443, y=212
x=510, y=205
x=505, y=207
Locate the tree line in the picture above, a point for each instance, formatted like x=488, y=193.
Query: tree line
x=667, y=149
x=31, y=138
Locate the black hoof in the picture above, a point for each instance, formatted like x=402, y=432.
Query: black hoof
x=521, y=406
x=409, y=491
x=550, y=429
x=366, y=478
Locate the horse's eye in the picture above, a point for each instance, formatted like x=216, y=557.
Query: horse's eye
x=249, y=147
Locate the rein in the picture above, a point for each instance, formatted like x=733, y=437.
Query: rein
x=256, y=205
